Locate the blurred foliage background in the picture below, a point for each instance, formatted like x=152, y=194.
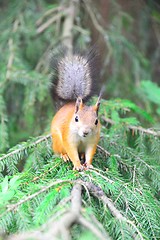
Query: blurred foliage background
x=126, y=34
x=120, y=197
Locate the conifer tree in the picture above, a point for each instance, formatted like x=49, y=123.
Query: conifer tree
x=41, y=197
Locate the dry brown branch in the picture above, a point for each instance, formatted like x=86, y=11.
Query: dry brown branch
x=92, y=228
x=98, y=27
x=135, y=129
x=143, y=130
x=156, y=27
x=68, y=24
x=11, y=50
x=11, y=58
x=60, y=228
x=45, y=25
x=36, y=235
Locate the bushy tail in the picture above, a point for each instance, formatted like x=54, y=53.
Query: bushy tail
x=75, y=76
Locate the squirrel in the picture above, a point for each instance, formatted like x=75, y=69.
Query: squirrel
x=75, y=128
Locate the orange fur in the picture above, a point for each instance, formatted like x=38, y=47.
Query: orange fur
x=72, y=139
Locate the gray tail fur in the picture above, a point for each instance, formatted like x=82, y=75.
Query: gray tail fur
x=74, y=76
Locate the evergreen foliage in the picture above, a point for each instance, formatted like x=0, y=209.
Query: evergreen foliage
x=128, y=174
x=119, y=197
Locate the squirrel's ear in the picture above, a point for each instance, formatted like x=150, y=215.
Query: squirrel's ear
x=97, y=105
x=79, y=104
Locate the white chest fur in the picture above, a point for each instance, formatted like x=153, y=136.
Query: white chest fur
x=82, y=142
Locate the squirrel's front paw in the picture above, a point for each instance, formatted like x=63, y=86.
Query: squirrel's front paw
x=78, y=167
x=88, y=166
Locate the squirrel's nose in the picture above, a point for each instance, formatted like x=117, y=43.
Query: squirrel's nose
x=85, y=133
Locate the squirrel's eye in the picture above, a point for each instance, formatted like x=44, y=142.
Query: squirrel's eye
x=76, y=119
x=96, y=122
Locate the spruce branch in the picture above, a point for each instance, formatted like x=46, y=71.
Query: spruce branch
x=98, y=193
x=144, y=208
x=25, y=146
x=135, y=156
x=135, y=128
x=61, y=228
x=150, y=167
x=143, y=130
x=13, y=207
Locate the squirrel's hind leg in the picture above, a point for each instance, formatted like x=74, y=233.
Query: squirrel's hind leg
x=61, y=152
x=58, y=148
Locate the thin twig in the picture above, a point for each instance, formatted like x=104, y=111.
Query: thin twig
x=95, y=170
x=94, y=19
x=104, y=151
x=81, y=30
x=134, y=175
x=42, y=60
x=47, y=13
x=45, y=173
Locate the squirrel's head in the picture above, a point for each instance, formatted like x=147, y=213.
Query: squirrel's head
x=85, y=121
